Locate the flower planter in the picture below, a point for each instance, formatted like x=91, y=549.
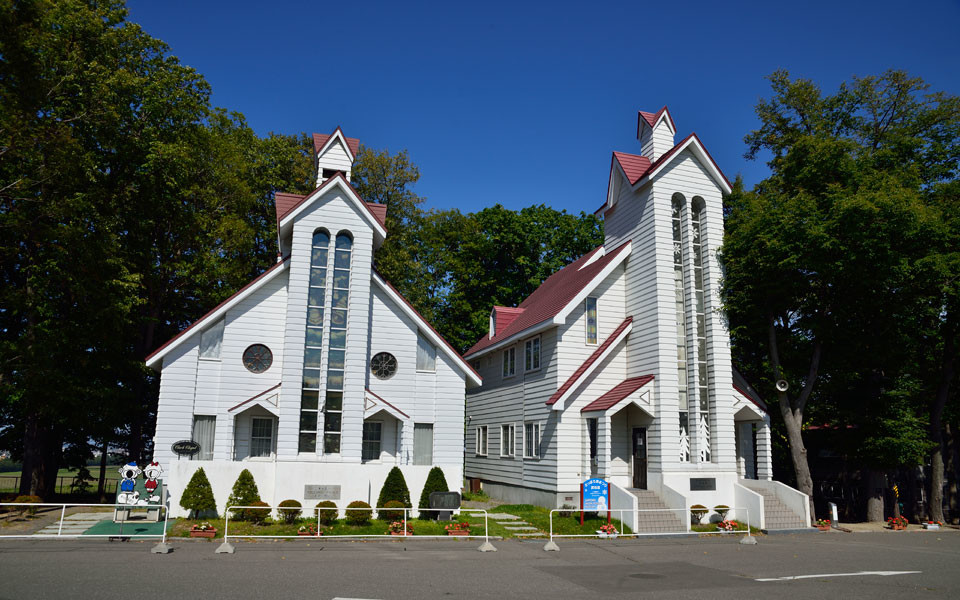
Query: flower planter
x=459, y=532
x=308, y=533
x=604, y=534
x=823, y=527
x=200, y=533
x=896, y=527
x=401, y=533
x=931, y=526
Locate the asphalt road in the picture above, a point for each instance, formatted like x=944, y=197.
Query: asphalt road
x=689, y=568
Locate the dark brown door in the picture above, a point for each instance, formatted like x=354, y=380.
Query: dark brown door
x=640, y=458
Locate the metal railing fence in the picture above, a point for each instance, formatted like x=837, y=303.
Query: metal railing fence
x=685, y=513
x=10, y=484
x=227, y=548
x=123, y=509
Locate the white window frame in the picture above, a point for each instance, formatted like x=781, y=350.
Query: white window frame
x=379, y=441
x=529, y=364
x=534, y=451
x=509, y=358
x=482, y=441
x=272, y=437
x=586, y=320
x=424, y=343
x=510, y=438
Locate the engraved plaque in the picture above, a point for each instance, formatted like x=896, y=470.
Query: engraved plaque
x=703, y=484
x=321, y=492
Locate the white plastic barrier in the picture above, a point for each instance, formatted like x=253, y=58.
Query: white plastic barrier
x=160, y=548
x=551, y=545
x=227, y=548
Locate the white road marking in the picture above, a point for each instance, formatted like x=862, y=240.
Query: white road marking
x=822, y=575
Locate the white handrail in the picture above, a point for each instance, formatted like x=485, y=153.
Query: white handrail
x=552, y=546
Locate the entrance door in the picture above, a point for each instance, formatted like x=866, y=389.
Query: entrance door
x=640, y=458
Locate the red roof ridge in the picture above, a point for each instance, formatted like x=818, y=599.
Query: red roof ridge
x=372, y=393
x=618, y=393
x=590, y=360
x=652, y=118
x=217, y=307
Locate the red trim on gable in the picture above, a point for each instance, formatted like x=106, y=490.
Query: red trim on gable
x=319, y=139
x=216, y=308
x=666, y=157
x=427, y=323
x=369, y=391
x=590, y=360
x=618, y=393
x=267, y=391
x=751, y=399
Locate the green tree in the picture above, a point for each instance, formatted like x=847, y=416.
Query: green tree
x=823, y=257
x=198, y=495
x=394, y=489
x=244, y=492
x=436, y=482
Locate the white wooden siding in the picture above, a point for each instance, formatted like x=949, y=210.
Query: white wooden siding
x=334, y=158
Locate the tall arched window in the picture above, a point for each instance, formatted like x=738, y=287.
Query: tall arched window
x=679, y=208
x=699, y=252
x=336, y=355
x=313, y=342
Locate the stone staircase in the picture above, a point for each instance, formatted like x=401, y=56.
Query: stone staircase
x=776, y=514
x=654, y=515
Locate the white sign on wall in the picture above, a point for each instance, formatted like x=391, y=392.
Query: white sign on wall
x=321, y=492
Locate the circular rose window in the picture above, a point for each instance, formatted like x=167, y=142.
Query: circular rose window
x=257, y=358
x=383, y=365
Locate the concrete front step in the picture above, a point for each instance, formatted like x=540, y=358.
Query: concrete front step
x=654, y=515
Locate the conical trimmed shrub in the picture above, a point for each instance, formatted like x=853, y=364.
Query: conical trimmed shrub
x=394, y=488
x=436, y=482
x=244, y=493
x=198, y=496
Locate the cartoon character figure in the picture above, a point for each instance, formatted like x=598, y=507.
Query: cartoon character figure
x=129, y=473
x=152, y=471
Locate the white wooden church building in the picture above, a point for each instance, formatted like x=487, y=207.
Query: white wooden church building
x=618, y=366
x=317, y=376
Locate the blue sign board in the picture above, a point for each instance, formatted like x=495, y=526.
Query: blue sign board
x=596, y=495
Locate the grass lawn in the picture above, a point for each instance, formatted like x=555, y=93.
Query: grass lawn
x=340, y=527
x=539, y=517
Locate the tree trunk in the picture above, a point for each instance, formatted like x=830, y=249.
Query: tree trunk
x=953, y=484
x=33, y=476
x=876, y=487
x=947, y=371
x=102, y=480
x=798, y=452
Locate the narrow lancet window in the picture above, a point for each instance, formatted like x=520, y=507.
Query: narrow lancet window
x=313, y=342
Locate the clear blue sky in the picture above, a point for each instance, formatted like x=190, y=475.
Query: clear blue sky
x=522, y=103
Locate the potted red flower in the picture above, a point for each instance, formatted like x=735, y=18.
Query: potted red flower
x=306, y=530
x=897, y=523
x=823, y=524
x=607, y=531
x=462, y=529
x=203, y=530
x=397, y=528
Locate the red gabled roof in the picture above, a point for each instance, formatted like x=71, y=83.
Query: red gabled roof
x=651, y=119
x=504, y=315
x=633, y=166
x=379, y=212
x=217, y=307
x=618, y=393
x=552, y=295
x=319, y=139
x=369, y=391
x=290, y=202
x=569, y=383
